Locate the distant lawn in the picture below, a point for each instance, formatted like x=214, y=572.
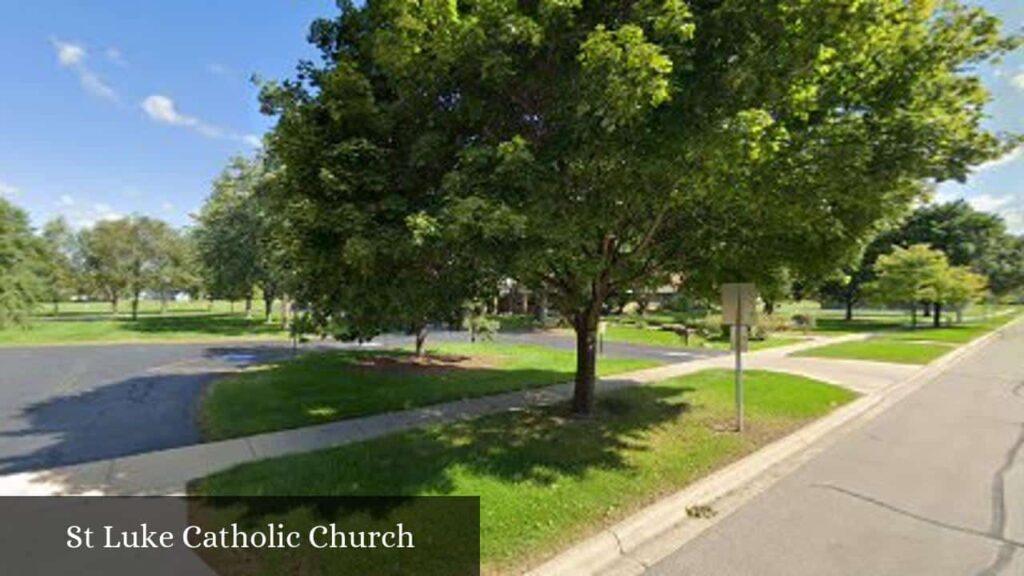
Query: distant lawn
x=881, y=350
x=323, y=387
x=630, y=334
x=545, y=480
x=148, y=328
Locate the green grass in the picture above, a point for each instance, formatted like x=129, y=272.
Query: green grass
x=323, y=387
x=881, y=350
x=631, y=334
x=148, y=328
x=546, y=480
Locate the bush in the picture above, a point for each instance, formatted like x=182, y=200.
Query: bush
x=804, y=322
x=711, y=327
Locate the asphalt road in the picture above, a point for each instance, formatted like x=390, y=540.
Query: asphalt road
x=67, y=405
x=75, y=404
x=934, y=486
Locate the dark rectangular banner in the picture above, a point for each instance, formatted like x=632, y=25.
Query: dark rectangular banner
x=239, y=536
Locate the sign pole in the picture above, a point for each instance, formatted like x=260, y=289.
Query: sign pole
x=738, y=327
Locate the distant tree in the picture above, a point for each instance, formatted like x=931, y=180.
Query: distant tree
x=908, y=276
x=108, y=258
x=21, y=266
x=958, y=289
x=165, y=260
x=235, y=240
x=62, y=256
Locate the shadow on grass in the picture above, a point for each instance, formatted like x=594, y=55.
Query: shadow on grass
x=839, y=325
x=340, y=384
x=212, y=324
x=532, y=446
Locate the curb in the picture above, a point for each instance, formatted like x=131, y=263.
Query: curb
x=643, y=539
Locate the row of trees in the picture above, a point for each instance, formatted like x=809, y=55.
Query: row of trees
x=591, y=149
x=919, y=274
x=112, y=261
x=966, y=237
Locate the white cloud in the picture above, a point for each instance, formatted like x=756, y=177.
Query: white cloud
x=68, y=54
x=8, y=189
x=1010, y=207
x=217, y=69
x=162, y=109
x=167, y=207
x=115, y=56
x=73, y=57
x=65, y=200
x=1018, y=81
x=990, y=203
x=1009, y=157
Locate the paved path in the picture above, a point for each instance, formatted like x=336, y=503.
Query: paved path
x=561, y=342
x=168, y=471
x=934, y=485
x=66, y=405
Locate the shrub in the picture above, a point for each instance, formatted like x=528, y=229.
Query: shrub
x=804, y=322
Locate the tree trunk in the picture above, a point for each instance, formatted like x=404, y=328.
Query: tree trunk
x=927, y=309
x=135, y=306
x=113, y=305
x=769, y=307
x=163, y=302
x=268, y=309
x=285, y=311
x=959, y=314
x=585, y=325
x=542, y=308
x=56, y=307
x=421, y=338
x=913, y=316
x=232, y=306
x=937, y=315
x=248, y=307
x=849, y=309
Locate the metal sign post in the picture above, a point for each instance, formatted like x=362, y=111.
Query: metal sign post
x=739, y=304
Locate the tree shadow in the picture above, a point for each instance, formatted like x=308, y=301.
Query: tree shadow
x=538, y=446
x=136, y=415
x=206, y=324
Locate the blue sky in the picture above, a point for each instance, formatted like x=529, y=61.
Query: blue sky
x=120, y=106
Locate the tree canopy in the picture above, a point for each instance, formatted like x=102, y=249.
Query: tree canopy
x=22, y=266
x=595, y=146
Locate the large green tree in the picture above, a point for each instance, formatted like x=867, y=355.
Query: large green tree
x=623, y=142
x=22, y=266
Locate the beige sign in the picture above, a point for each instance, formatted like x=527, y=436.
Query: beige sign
x=739, y=304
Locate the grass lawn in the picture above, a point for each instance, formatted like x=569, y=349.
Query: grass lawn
x=546, y=480
x=662, y=338
x=148, y=328
x=323, y=387
x=881, y=350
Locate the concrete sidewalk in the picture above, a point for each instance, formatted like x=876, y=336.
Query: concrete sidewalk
x=169, y=471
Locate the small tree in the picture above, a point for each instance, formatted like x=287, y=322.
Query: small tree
x=960, y=288
x=909, y=276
